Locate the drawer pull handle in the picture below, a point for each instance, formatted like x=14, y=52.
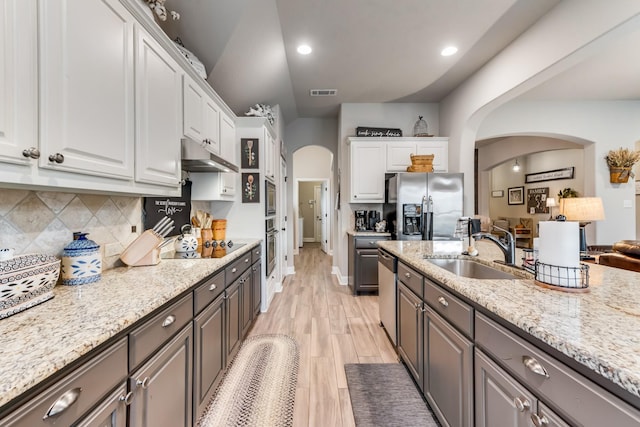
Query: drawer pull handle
x=443, y=301
x=63, y=402
x=246, y=260
x=521, y=405
x=372, y=243
x=212, y=287
x=407, y=275
x=417, y=305
x=127, y=398
x=143, y=383
x=233, y=270
x=534, y=366
x=168, y=321
x=539, y=421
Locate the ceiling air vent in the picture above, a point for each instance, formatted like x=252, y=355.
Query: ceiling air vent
x=323, y=92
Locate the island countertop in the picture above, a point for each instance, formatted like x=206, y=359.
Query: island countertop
x=40, y=341
x=599, y=329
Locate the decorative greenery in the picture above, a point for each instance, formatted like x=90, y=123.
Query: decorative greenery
x=622, y=158
x=566, y=193
x=157, y=6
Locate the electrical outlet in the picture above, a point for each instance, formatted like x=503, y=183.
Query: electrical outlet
x=627, y=203
x=112, y=249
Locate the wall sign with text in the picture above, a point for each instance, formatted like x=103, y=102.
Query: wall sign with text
x=566, y=173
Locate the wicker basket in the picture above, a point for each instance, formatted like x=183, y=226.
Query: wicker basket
x=420, y=168
x=422, y=159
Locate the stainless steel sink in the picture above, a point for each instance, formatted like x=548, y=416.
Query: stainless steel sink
x=469, y=268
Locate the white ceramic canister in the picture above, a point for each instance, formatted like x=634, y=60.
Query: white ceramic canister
x=81, y=261
x=186, y=242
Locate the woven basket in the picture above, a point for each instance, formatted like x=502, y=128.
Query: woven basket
x=422, y=159
x=420, y=168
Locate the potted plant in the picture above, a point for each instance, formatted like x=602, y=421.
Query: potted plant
x=620, y=162
x=567, y=192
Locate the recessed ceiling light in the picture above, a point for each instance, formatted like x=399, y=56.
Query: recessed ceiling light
x=449, y=50
x=304, y=49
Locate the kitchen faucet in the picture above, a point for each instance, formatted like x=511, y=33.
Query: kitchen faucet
x=508, y=247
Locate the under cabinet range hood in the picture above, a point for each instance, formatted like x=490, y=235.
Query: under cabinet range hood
x=195, y=158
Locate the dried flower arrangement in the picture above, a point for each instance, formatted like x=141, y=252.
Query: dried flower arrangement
x=157, y=6
x=622, y=158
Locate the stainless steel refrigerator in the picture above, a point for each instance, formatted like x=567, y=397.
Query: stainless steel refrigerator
x=428, y=205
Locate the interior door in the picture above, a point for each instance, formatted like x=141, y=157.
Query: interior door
x=324, y=214
x=317, y=213
x=282, y=212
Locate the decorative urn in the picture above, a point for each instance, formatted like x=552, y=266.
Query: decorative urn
x=81, y=261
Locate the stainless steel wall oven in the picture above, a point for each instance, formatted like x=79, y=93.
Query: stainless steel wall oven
x=270, y=244
x=270, y=198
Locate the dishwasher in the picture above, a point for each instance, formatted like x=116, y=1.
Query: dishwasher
x=387, y=269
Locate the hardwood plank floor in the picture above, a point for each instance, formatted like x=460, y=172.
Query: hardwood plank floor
x=332, y=327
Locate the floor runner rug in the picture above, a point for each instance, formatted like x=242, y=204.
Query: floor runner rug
x=383, y=394
x=260, y=386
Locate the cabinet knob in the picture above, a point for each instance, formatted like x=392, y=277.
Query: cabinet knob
x=521, y=404
x=233, y=270
x=56, y=158
x=144, y=383
x=355, y=196
x=254, y=269
x=407, y=275
x=31, y=153
x=212, y=287
x=539, y=421
x=534, y=366
x=246, y=260
x=63, y=402
x=168, y=321
x=127, y=398
x=443, y=302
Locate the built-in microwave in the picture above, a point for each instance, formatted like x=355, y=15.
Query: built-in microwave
x=270, y=198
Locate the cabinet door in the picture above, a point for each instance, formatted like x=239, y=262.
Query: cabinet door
x=399, y=155
x=18, y=80
x=228, y=146
x=87, y=87
x=233, y=319
x=440, y=149
x=228, y=184
x=162, y=386
x=448, y=371
x=158, y=113
x=410, y=331
x=193, y=100
x=247, y=304
x=270, y=154
x=209, y=354
x=212, y=126
x=366, y=278
x=256, y=284
x=112, y=412
x=500, y=400
x=367, y=172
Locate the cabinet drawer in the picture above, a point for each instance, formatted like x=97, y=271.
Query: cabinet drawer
x=146, y=339
x=411, y=278
x=574, y=396
x=369, y=242
x=208, y=291
x=256, y=254
x=89, y=383
x=239, y=266
x=450, y=307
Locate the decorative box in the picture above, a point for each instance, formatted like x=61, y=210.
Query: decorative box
x=25, y=281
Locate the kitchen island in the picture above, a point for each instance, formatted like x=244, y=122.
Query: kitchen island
x=596, y=333
x=55, y=335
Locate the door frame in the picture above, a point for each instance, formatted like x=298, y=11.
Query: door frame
x=326, y=182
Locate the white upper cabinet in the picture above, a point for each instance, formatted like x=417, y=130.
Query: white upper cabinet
x=399, y=155
x=228, y=141
x=367, y=166
x=87, y=88
x=212, y=127
x=399, y=152
x=270, y=154
x=158, y=113
x=439, y=147
x=200, y=116
x=18, y=82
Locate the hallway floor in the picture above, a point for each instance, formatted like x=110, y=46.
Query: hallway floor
x=332, y=327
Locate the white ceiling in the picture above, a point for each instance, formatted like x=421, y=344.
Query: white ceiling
x=373, y=51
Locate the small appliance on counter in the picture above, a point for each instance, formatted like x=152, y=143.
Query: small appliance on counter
x=361, y=220
x=373, y=217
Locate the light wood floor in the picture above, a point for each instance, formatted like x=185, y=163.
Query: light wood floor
x=332, y=327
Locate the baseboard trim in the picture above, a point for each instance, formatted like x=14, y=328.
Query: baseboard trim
x=291, y=270
x=343, y=280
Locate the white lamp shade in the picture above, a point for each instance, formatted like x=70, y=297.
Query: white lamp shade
x=551, y=202
x=582, y=209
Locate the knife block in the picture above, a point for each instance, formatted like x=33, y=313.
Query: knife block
x=143, y=251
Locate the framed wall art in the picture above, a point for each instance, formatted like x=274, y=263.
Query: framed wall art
x=497, y=193
x=537, y=200
x=250, y=188
x=250, y=153
x=515, y=196
x=566, y=173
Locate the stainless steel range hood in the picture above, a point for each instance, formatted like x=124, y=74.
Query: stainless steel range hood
x=196, y=159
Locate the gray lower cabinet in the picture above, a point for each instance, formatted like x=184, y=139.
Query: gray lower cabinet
x=209, y=353
x=247, y=303
x=233, y=319
x=69, y=400
x=112, y=412
x=447, y=371
x=363, y=263
x=162, y=387
x=410, y=319
x=256, y=284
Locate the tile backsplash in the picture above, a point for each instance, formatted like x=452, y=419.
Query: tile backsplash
x=44, y=222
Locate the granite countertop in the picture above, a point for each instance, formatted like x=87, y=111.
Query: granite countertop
x=369, y=233
x=599, y=329
x=39, y=341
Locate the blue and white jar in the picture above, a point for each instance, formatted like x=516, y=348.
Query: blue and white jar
x=81, y=261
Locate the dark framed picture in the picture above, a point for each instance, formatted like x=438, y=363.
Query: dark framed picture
x=515, y=195
x=537, y=200
x=250, y=153
x=250, y=188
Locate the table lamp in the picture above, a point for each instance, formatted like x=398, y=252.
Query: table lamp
x=551, y=203
x=584, y=210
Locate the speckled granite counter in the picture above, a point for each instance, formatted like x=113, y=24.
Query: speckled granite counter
x=599, y=329
x=40, y=341
x=367, y=234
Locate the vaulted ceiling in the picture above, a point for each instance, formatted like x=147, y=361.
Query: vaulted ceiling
x=374, y=51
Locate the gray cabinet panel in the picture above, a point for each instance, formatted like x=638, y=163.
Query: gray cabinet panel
x=366, y=270
x=209, y=354
x=411, y=278
x=239, y=266
x=233, y=320
x=79, y=391
x=245, y=296
x=546, y=417
x=454, y=310
x=500, y=401
x=256, y=284
x=448, y=371
x=410, y=331
x=204, y=294
x=162, y=386
x=112, y=412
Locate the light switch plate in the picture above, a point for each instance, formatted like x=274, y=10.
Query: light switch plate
x=627, y=204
